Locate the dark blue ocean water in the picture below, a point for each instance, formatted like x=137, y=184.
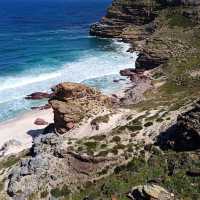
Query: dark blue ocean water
x=44, y=42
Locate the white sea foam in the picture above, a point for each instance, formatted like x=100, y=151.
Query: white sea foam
x=91, y=65
x=18, y=82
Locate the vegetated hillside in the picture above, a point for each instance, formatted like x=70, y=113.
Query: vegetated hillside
x=143, y=148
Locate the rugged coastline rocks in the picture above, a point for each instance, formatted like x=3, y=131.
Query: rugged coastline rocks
x=135, y=22
x=121, y=16
x=184, y=135
x=140, y=83
x=190, y=121
x=72, y=102
x=53, y=165
x=38, y=96
x=150, y=191
x=149, y=61
x=40, y=122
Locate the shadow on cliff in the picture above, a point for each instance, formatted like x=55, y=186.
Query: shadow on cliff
x=35, y=133
x=178, y=139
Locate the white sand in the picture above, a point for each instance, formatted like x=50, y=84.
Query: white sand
x=23, y=129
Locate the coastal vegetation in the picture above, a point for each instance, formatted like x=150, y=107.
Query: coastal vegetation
x=155, y=141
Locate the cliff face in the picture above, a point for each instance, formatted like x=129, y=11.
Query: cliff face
x=72, y=102
x=138, y=22
x=166, y=33
x=122, y=15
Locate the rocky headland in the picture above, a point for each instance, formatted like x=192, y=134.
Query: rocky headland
x=141, y=145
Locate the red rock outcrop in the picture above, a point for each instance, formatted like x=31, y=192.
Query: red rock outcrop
x=38, y=95
x=72, y=102
x=40, y=122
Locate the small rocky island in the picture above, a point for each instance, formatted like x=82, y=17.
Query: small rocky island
x=140, y=145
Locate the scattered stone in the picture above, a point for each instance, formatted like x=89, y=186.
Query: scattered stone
x=118, y=80
x=115, y=96
x=70, y=125
x=40, y=122
x=45, y=107
x=10, y=147
x=38, y=96
x=193, y=173
x=150, y=191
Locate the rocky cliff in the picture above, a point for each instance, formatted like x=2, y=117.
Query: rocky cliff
x=184, y=135
x=139, y=22
x=150, y=139
x=124, y=15
x=74, y=102
x=54, y=165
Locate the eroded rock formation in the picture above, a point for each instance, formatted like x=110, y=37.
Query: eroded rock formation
x=150, y=191
x=122, y=16
x=140, y=84
x=53, y=165
x=185, y=134
x=72, y=102
x=136, y=21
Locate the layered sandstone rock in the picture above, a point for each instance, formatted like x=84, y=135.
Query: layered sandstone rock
x=38, y=96
x=185, y=134
x=140, y=84
x=136, y=22
x=150, y=191
x=188, y=125
x=190, y=121
x=123, y=15
x=53, y=165
x=72, y=102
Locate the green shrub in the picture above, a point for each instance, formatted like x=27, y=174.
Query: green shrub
x=1, y=186
x=180, y=21
x=8, y=162
x=102, y=153
x=116, y=139
x=101, y=119
x=98, y=137
x=103, y=146
x=148, y=124
x=90, y=145
x=44, y=194
x=160, y=120
x=134, y=128
x=63, y=192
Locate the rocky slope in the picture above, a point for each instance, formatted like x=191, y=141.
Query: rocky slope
x=53, y=164
x=136, y=21
x=166, y=35
x=72, y=102
x=153, y=145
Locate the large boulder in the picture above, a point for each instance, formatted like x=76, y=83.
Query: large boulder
x=185, y=134
x=150, y=60
x=72, y=102
x=190, y=121
x=150, y=191
x=38, y=96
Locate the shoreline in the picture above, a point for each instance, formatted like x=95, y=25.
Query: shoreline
x=17, y=134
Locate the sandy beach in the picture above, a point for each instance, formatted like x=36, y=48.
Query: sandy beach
x=22, y=130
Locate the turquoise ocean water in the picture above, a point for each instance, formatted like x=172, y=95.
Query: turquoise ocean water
x=44, y=42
